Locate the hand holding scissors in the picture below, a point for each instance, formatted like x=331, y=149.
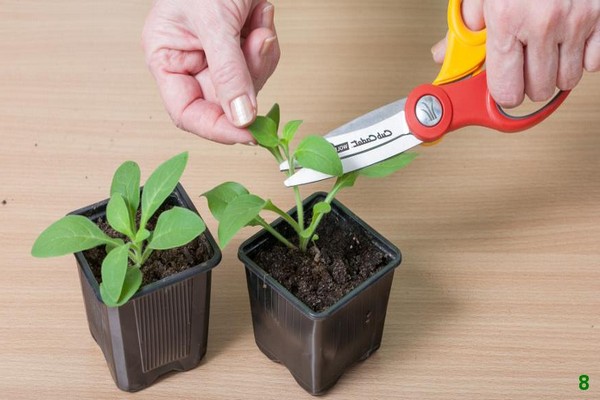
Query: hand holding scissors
x=458, y=97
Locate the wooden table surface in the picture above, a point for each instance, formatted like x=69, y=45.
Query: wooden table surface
x=498, y=296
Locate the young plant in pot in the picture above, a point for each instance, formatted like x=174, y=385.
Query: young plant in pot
x=144, y=263
x=318, y=277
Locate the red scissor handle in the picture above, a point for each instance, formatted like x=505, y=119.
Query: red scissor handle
x=463, y=103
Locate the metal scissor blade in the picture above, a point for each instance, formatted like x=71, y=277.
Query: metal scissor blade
x=369, y=119
x=363, y=125
x=359, y=160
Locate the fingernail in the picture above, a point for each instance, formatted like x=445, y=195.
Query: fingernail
x=267, y=16
x=266, y=46
x=241, y=110
x=251, y=144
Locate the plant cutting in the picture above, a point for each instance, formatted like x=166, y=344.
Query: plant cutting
x=318, y=277
x=144, y=258
x=235, y=207
x=121, y=268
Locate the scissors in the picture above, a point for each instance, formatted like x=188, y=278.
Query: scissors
x=458, y=97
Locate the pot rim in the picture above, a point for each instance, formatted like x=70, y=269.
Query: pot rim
x=98, y=209
x=259, y=239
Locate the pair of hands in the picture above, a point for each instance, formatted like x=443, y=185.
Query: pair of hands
x=210, y=58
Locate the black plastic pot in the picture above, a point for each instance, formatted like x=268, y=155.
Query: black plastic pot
x=163, y=328
x=317, y=347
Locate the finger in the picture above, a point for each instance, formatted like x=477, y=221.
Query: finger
x=591, y=59
x=262, y=52
x=438, y=51
x=262, y=16
x=472, y=12
x=231, y=79
x=184, y=99
x=207, y=120
x=541, y=70
x=548, y=28
x=570, y=62
x=504, y=64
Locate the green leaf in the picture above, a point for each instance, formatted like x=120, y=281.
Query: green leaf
x=142, y=235
x=114, y=268
x=274, y=115
x=106, y=298
x=161, y=184
x=69, y=234
x=321, y=208
x=264, y=130
x=316, y=153
x=176, y=227
x=126, y=182
x=389, y=166
x=117, y=214
x=115, y=243
x=347, y=180
x=132, y=283
x=239, y=213
x=289, y=130
x=219, y=197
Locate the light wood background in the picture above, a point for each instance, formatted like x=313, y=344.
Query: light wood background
x=499, y=293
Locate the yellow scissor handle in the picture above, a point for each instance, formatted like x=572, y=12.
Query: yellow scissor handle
x=465, y=52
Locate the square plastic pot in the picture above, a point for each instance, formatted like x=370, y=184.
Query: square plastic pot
x=163, y=328
x=317, y=347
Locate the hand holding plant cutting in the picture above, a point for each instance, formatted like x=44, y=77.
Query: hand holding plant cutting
x=234, y=207
x=121, y=269
x=209, y=59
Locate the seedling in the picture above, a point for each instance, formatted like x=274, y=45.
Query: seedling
x=121, y=268
x=234, y=207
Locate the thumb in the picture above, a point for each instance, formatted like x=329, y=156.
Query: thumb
x=231, y=79
x=472, y=13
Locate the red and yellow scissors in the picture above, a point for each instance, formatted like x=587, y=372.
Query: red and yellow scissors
x=457, y=98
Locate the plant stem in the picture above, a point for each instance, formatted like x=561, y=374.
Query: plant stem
x=146, y=254
x=273, y=232
x=272, y=207
x=137, y=258
x=330, y=196
x=299, y=206
x=314, y=223
x=277, y=154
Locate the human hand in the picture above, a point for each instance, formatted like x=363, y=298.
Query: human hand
x=534, y=47
x=209, y=59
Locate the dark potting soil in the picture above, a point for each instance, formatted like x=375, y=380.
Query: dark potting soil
x=342, y=258
x=161, y=263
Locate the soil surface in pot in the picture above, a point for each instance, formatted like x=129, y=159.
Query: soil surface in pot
x=161, y=263
x=342, y=258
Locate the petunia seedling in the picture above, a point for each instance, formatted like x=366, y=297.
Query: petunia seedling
x=121, y=268
x=234, y=207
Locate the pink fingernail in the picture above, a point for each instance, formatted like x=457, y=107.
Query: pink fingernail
x=268, y=14
x=266, y=46
x=242, y=110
